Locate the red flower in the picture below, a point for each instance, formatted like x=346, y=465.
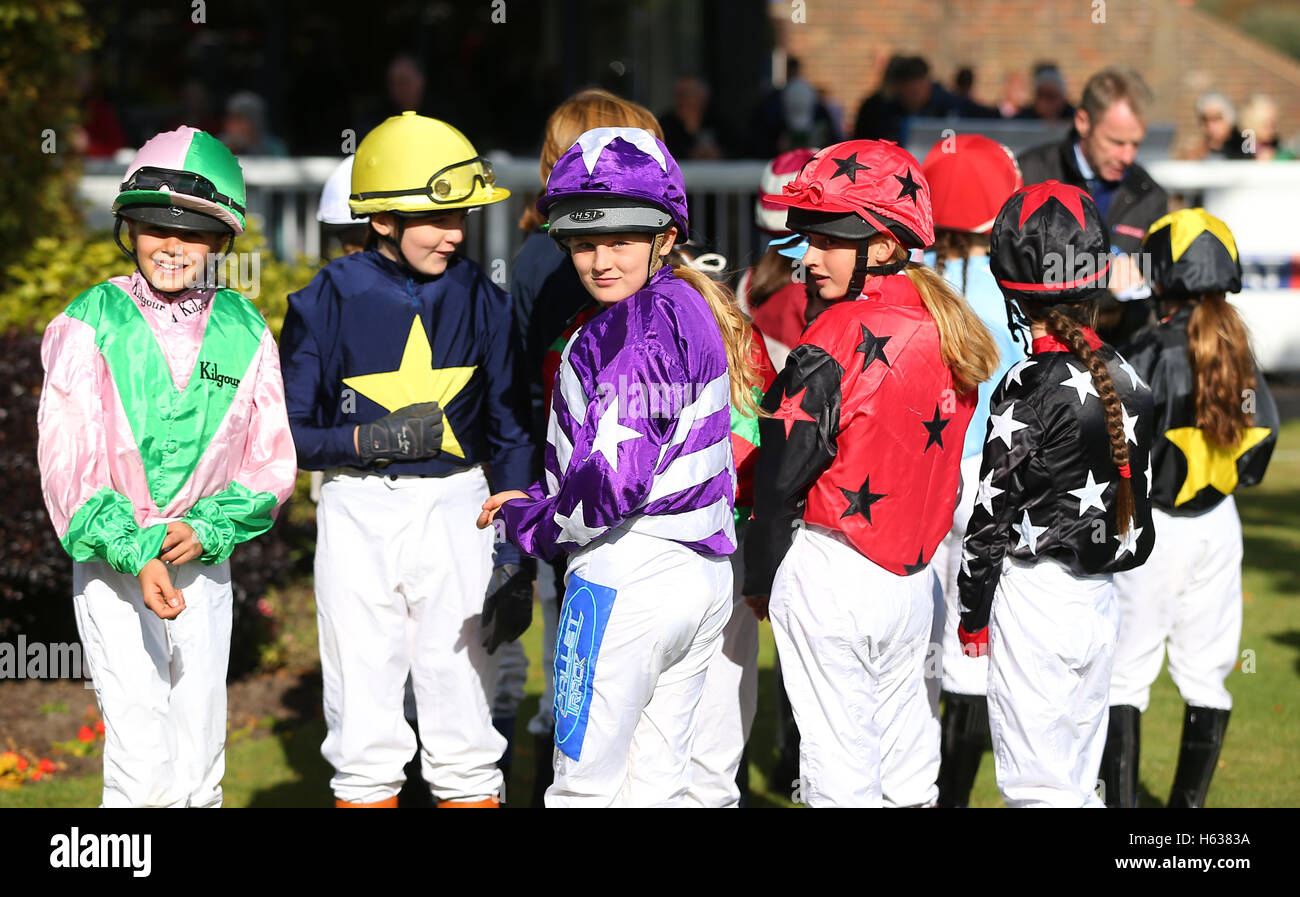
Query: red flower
x=36, y=775
x=22, y=764
x=85, y=733
x=46, y=765
x=99, y=727
x=264, y=607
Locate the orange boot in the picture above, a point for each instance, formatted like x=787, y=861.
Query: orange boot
x=390, y=803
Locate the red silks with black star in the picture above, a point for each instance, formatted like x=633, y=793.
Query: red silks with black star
x=865, y=438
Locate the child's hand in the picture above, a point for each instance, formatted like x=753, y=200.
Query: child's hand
x=159, y=594
x=180, y=545
x=493, y=503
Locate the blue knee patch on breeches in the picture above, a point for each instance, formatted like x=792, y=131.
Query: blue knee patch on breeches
x=587, y=607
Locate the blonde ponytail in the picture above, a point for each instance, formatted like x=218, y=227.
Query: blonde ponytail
x=737, y=337
x=964, y=342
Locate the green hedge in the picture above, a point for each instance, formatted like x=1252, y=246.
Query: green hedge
x=44, y=46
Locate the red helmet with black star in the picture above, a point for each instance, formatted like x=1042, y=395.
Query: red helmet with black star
x=1048, y=246
x=859, y=188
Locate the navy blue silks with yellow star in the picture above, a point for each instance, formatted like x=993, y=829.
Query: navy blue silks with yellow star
x=365, y=337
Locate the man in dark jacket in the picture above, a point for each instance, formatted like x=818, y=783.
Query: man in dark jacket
x=1099, y=156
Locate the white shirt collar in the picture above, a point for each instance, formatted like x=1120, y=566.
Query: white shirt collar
x=1084, y=168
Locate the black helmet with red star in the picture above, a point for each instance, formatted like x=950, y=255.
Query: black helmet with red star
x=1048, y=248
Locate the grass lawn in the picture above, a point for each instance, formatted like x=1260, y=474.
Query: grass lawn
x=285, y=769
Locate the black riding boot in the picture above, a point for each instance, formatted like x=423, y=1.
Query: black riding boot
x=965, y=731
x=1203, y=730
x=1119, y=762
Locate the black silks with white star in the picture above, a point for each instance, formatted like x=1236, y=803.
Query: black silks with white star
x=1048, y=487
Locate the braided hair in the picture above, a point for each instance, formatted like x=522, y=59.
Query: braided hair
x=1062, y=321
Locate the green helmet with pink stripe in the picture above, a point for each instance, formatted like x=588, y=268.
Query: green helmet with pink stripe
x=185, y=179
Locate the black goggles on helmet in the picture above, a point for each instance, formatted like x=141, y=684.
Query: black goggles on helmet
x=455, y=183
x=186, y=183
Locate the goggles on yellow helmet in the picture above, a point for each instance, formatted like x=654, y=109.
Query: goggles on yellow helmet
x=450, y=185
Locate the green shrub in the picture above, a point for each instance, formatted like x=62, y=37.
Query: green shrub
x=43, y=47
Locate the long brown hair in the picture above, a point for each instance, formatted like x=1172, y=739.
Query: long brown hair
x=586, y=109
x=737, y=337
x=1070, y=332
x=772, y=272
x=1224, y=368
x=964, y=342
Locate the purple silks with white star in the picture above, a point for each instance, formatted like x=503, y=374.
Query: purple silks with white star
x=639, y=433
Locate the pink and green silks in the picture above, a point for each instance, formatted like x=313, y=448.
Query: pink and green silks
x=158, y=409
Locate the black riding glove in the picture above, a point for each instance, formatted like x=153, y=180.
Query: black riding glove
x=508, y=609
x=412, y=433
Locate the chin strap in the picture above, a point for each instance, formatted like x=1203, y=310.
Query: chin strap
x=862, y=269
x=1017, y=322
x=396, y=243
x=656, y=260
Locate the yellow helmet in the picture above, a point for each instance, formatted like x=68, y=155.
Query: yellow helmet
x=414, y=164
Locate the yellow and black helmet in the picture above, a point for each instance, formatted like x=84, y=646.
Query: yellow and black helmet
x=414, y=165
x=1192, y=253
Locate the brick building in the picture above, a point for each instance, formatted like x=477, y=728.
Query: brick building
x=1180, y=51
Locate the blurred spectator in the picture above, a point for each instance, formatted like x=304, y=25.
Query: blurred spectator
x=1015, y=94
x=1220, y=138
x=405, y=81
x=1049, y=102
x=806, y=119
x=405, y=91
x=794, y=116
x=964, y=83
x=834, y=117
x=100, y=134
x=908, y=90
x=963, y=96
x=1099, y=155
x=245, y=131
x=196, y=108
x=880, y=117
x=1259, y=129
x=798, y=103
x=692, y=130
